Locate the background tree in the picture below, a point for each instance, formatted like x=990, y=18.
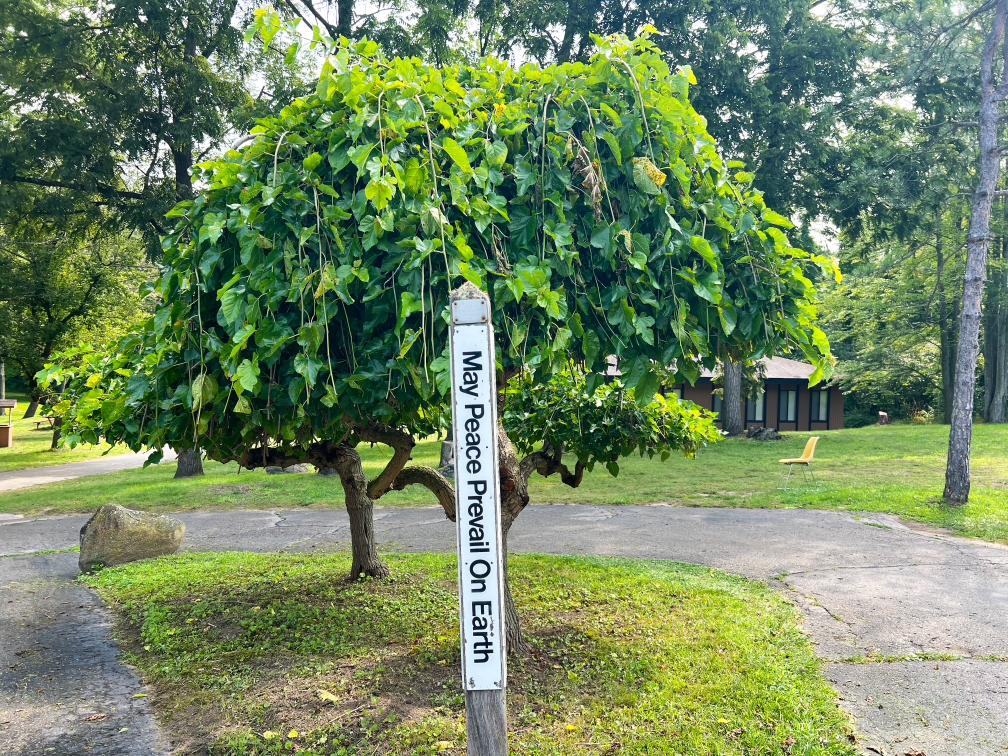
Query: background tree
x=957, y=481
x=52, y=294
x=104, y=107
x=305, y=290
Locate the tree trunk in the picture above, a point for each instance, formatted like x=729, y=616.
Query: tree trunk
x=360, y=507
x=990, y=346
x=731, y=405
x=945, y=345
x=32, y=409
x=1000, y=393
x=447, y=451
x=57, y=432
x=570, y=29
x=512, y=622
x=344, y=21
x=957, y=473
x=190, y=463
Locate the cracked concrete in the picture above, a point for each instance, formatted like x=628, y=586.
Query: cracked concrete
x=871, y=587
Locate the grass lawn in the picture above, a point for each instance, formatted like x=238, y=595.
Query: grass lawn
x=897, y=468
x=32, y=443
x=274, y=653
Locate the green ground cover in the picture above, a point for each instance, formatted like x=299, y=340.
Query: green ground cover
x=32, y=443
x=273, y=653
x=898, y=469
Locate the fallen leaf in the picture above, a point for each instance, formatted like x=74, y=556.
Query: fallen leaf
x=124, y=729
x=878, y=750
x=94, y=717
x=915, y=753
x=786, y=745
x=444, y=745
x=292, y=734
x=139, y=695
x=325, y=695
x=269, y=735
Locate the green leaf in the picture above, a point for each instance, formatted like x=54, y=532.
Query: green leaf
x=703, y=247
x=777, y=219
x=247, y=375
x=643, y=181
x=457, y=153
x=307, y=367
x=231, y=303
x=601, y=237
x=614, y=146
x=411, y=337
x=311, y=162
x=591, y=346
x=496, y=153
x=380, y=191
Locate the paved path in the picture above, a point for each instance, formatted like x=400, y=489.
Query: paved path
x=33, y=476
x=866, y=586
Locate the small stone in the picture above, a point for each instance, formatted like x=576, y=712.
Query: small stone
x=276, y=470
x=116, y=535
x=328, y=471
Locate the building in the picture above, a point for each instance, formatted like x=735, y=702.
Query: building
x=787, y=402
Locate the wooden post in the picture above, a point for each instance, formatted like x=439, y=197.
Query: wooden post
x=477, y=507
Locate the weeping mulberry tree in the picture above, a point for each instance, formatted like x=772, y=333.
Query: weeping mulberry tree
x=305, y=288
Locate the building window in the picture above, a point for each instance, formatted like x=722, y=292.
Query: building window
x=787, y=406
x=676, y=391
x=717, y=405
x=819, y=409
x=755, y=412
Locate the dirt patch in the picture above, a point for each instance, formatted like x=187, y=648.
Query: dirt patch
x=229, y=488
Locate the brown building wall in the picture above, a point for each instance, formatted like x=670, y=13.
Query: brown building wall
x=835, y=408
x=699, y=394
x=804, y=402
x=771, y=406
x=702, y=394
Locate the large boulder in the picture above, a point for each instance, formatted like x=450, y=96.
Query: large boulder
x=116, y=535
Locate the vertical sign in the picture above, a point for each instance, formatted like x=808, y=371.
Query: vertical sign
x=477, y=493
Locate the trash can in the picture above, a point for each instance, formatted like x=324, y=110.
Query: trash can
x=7, y=430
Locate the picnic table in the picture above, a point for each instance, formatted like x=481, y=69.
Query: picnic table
x=46, y=419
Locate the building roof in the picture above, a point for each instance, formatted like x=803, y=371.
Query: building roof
x=777, y=368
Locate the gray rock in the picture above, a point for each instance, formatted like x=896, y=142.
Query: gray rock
x=765, y=434
x=116, y=535
x=328, y=471
x=276, y=470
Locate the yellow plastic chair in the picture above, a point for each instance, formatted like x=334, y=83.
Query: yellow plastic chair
x=805, y=460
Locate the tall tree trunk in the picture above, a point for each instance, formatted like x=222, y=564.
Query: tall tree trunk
x=944, y=336
x=1000, y=393
x=570, y=29
x=32, y=409
x=190, y=463
x=57, y=432
x=360, y=507
x=344, y=21
x=957, y=473
x=991, y=347
x=731, y=405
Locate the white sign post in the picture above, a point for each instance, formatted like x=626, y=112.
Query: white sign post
x=477, y=514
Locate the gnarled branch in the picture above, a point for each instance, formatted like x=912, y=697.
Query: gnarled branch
x=430, y=478
x=402, y=444
x=546, y=463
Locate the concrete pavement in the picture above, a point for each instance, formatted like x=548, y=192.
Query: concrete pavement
x=34, y=476
x=868, y=587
